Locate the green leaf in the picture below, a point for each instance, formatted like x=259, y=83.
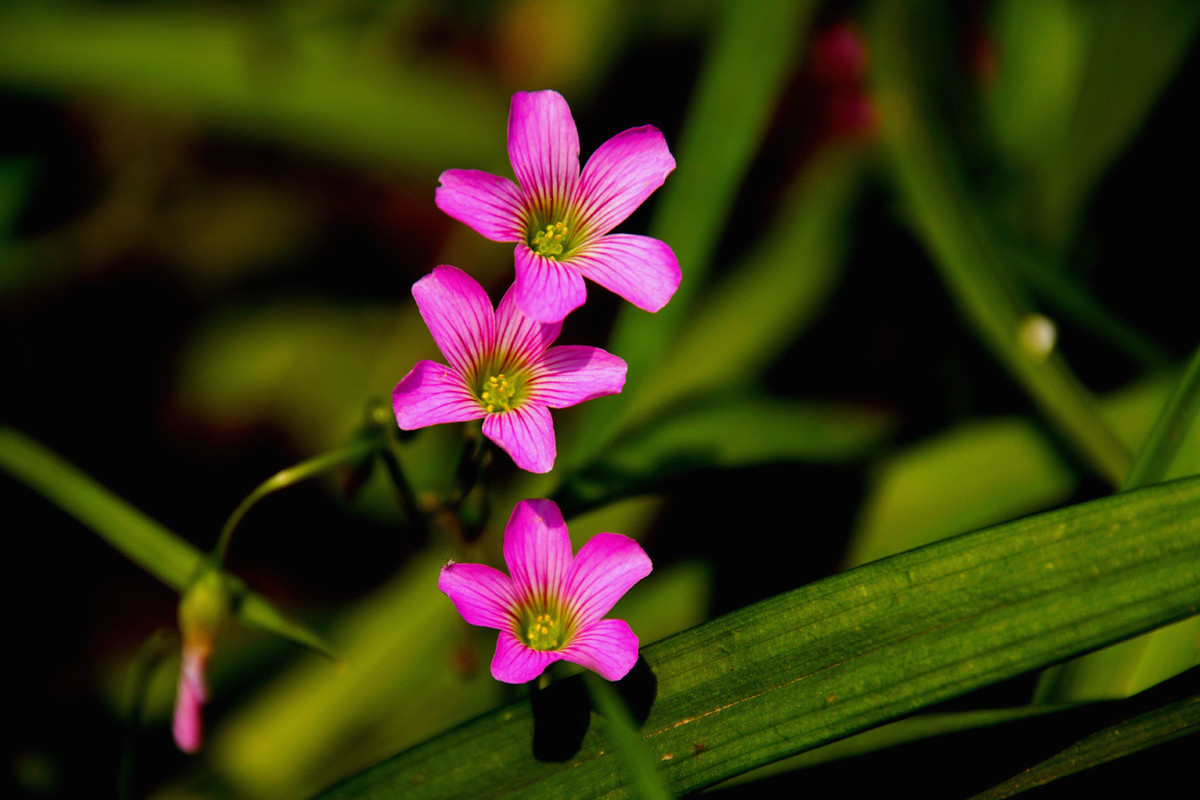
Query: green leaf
x=1134, y=49
x=1040, y=57
x=725, y=432
x=246, y=70
x=759, y=308
x=1172, y=450
x=145, y=542
x=16, y=179
x=754, y=48
x=904, y=731
x=980, y=473
x=644, y=776
x=1158, y=726
x=853, y=651
x=960, y=240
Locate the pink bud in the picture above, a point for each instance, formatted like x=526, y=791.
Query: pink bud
x=187, y=724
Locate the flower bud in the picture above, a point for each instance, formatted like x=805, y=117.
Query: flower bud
x=202, y=611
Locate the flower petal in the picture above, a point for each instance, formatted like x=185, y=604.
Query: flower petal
x=459, y=315
x=642, y=270
x=483, y=595
x=547, y=290
x=608, y=647
x=491, y=205
x=526, y=434
x=537, y=549
x=570, y=374
x=602, y=573
x=516, y=663
x=520, y=339
x=619, y=176
x=543, y=145
x=187, y=724
x=432, y=393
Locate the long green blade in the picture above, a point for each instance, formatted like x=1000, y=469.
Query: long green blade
x=1125, y=738
x=853, y=651
x=145, y=542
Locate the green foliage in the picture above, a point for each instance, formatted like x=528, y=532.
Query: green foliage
x=1163, y=724
x=854, y=650
x=154, y=548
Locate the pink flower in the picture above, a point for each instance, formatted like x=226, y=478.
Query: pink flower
x=502, y=368
x=552, y=607
x=561, y=219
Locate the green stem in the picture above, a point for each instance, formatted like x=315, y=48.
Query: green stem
x=284, y=478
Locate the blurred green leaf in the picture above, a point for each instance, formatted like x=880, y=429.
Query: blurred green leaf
x=644, y=779
x=1172, y=450
x=1040, y=52
x=724, y=432
x=960, y=240
x=319, y=87
x=904, y=731
x=1134, y=48
x=1125, y=738
x=750, y=316
x=854, y=650
x=16, y=179
x=980, y=473
x=754, y=46
x=148, y=544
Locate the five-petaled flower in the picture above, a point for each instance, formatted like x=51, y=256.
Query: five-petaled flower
x=501, y=368
x=553, y=606
x=560, y=218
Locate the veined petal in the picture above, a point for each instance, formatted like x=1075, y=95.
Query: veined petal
x=526, y=434
x=619, y=176
x=543, y=145
x=602, y=573
x=459, y=315
x=491, y=205
x=516, y=663
x=642, y=270
x=520, y=339
x=570, y=374
x=537, y=549
x=545, y=289
x=608, y=647
x=432, y=393
x=483, y=596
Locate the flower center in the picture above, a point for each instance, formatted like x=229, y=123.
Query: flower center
x=497, y=393
x=550, y=242
x=541, y=632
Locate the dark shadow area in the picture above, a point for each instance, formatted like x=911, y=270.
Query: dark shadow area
x=562, y=711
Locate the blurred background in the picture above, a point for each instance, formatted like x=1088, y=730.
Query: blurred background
x=211, y=215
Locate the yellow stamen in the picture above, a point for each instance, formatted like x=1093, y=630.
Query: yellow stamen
x=497, y=393
x=550, y=242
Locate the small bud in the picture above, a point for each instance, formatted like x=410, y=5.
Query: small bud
x=202, y=612
x=1037, y=335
